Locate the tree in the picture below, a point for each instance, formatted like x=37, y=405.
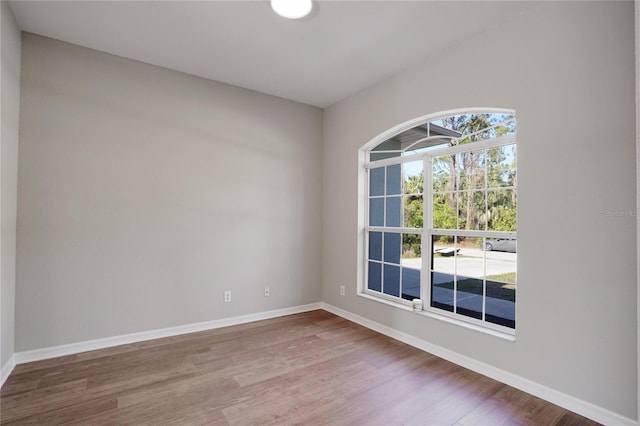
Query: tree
x=413, y=214
x=472, y=189
x=469, y=174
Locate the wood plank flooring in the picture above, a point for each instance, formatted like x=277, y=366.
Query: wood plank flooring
x=311, y=369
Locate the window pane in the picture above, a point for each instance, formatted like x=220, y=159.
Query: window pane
x=410, y=283
x=458, y=170
x=469, y=296
x=442, y=291
x=375, y=276
x=443, y=172
x=394, y=179
x=472, y=210
x=412, y=250
x=431, y=145
x=469, y=279
x=409, y=137
x=392, y=247
x=443, y=250
x=374, y=156
x=502, y=266
x=413, y=211
x=444, y=210
x=412, y=187
x=442, y=272
x=391, y=280
x=470, y=261
x=394, y=211
x=413, y=179
x=472, y=171
x=502, y=209
x=375, y=245
x=501, y=269
x=507, y=124
x=376, y=181
x=376, y=212
x=392, y=144
x=411, y=265
x=478, y=126
x=501, y=303
x=501, y=166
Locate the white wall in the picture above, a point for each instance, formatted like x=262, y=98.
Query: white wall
x=567, y=68
x=145, y=193
x=10, y=88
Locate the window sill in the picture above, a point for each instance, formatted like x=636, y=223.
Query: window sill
x=429, y=314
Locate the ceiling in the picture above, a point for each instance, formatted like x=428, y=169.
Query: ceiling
x=341, y=48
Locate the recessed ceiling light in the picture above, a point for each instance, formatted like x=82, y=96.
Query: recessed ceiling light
x=292, y=9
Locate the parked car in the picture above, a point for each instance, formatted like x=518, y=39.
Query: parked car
x=500, y=244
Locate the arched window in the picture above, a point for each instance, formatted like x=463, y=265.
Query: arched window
x=440, y=216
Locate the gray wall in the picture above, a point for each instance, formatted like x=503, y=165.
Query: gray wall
x=637, y=27
x=145, y=193
x=568, y=71
x=10, y=82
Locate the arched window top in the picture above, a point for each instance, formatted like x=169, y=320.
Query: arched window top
x=442, y=131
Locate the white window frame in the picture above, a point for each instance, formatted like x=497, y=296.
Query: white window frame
x=426, y=232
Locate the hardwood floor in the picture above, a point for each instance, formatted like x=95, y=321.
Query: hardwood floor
x=313, y=369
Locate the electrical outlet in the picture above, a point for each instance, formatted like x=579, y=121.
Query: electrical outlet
x=341, y=290
x=227, y=296
x=267, y=292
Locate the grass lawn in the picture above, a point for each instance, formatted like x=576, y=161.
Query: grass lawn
x=509, y=277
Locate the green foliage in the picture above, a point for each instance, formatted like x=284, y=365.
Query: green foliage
x=444, y=215
x=413, y=212
x=474, y=179
x=471, y=189
x=507, y=277
x=411, y=246
x=413, y=215
x=414, y=184
x=506, y=220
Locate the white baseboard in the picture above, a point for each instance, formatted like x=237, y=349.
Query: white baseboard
x=571, y=403
x=91, y=345
x=7, y=369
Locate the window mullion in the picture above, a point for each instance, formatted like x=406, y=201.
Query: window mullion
x=455, y=275
x=427, y=225
x=484, y=282
x=475, y=233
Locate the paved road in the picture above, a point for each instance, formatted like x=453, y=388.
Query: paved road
x=470, y=263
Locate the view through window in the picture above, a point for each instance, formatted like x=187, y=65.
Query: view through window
x=441, y=217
